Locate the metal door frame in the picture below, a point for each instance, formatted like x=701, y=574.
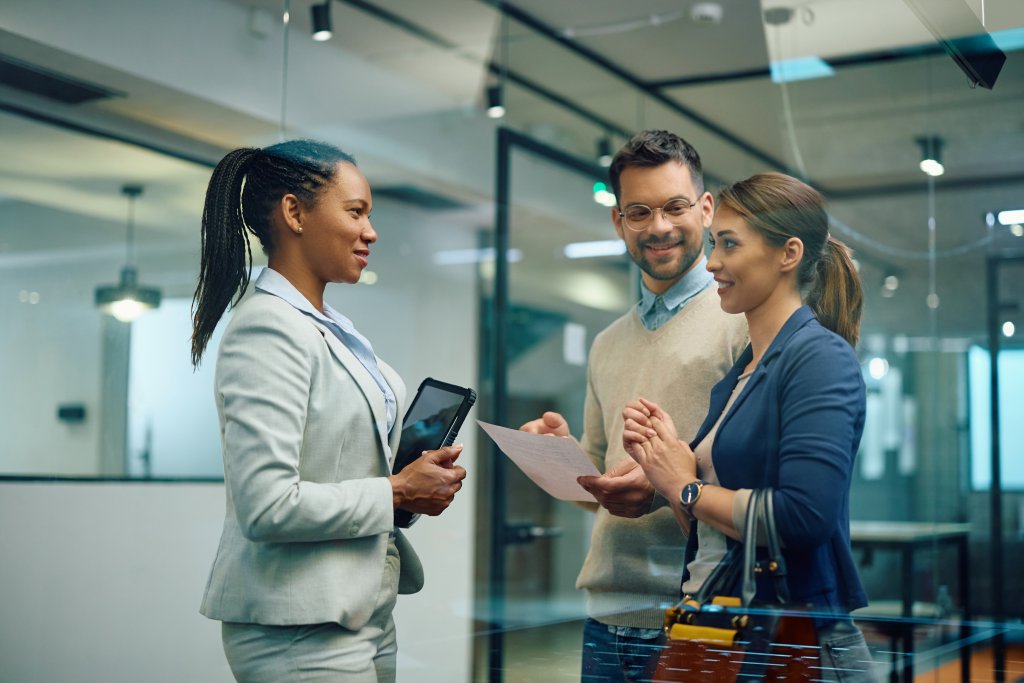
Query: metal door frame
x=500, y=533
x=993, y=263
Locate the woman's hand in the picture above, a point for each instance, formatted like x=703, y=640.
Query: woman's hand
x=428, y=484
x=650, y=438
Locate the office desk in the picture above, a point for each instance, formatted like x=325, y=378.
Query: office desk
x=907, y=538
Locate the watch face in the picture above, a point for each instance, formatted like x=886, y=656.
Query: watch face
x=690, y=493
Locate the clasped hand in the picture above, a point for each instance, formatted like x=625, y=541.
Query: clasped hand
x=428, y=484
x=650, y=438
x=623, y=490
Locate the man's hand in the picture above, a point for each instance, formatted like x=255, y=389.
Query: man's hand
x=623, y=490
x=428, y=484
x=550, y=423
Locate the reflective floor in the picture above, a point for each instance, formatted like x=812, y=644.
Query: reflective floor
x=552, y=652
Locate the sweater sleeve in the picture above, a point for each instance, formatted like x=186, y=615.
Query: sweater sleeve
x=594, y=441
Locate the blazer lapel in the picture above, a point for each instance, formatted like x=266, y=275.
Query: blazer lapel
x=800, y=317
x=363, y=379
x=720, y=394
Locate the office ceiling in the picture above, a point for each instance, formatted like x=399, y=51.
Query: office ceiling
x=405, y=81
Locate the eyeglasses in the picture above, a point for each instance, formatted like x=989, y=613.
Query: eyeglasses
x=639, y=216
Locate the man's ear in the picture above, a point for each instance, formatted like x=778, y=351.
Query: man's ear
x=792, y=254
x=617, y=222
x=707, y=209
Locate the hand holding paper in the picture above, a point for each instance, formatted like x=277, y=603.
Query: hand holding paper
x=553, y=463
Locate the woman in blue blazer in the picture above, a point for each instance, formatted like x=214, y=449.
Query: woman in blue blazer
x=788, y=416
x=309, y=562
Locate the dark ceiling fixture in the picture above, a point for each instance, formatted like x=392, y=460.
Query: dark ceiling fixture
x=322, y=29
x=127, y=300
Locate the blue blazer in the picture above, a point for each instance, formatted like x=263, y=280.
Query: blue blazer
x=796, y=428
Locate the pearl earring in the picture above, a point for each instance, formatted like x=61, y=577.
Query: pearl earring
x=298, y=231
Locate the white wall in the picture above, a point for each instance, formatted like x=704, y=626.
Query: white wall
x=51, y=353
x=102, y=582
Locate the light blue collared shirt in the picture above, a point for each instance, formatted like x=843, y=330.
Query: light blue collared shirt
x=272, y=282
x=657, y=309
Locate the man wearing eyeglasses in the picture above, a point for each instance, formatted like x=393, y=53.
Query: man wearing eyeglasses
x=672, y=347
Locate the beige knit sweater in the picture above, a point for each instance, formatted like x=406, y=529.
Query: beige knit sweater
x=633, y=568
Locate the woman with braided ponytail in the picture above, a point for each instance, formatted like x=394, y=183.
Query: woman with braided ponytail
x=788, y=416
x=309, y=563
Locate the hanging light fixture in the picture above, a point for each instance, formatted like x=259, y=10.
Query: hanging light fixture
x=931, y=155
x=127, y=300
x=604, y=151
x=322, y=21
x=495, y=106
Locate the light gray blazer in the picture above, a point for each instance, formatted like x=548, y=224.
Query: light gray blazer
x=303, y=428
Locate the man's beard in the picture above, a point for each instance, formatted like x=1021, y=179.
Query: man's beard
x=691, y=254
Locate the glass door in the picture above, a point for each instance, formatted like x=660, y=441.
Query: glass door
x=548, y=304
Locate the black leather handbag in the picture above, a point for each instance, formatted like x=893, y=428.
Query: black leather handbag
x=714, y=636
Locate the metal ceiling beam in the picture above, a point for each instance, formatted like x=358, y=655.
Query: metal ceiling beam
x=599, y=60
x=871, y=191
x=881, y=56
x=921, y=187
x=440, y=41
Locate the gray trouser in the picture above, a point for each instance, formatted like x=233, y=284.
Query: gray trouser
x=319, y=653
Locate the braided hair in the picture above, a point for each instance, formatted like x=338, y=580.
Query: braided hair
x=243, y=190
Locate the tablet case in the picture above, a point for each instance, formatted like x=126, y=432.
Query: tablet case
x=432, y=432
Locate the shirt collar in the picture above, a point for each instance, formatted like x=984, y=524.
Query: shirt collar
x=272, y=282
x=691, y=284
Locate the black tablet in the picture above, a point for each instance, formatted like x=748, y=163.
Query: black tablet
x=432, y=421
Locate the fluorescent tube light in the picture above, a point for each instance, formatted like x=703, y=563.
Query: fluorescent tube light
x=594, y=249
x=458, y=257
x=1012, y=217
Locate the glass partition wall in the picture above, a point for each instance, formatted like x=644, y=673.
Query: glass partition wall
x=853, y=97
x=935, y=545
x=67, y=229
x=566, y=278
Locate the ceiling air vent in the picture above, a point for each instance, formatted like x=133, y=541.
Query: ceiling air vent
x=49, y=84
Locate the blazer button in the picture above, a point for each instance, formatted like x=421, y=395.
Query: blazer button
x=355, y=529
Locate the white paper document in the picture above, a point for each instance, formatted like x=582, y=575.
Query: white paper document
x=553, y=463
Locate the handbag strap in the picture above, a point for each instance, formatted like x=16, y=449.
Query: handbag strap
x=741, y=559
x=722, y=578
x=760, y=509
x=775, y=549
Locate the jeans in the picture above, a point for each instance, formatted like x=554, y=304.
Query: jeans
x=844, y=655
x=612, y=658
